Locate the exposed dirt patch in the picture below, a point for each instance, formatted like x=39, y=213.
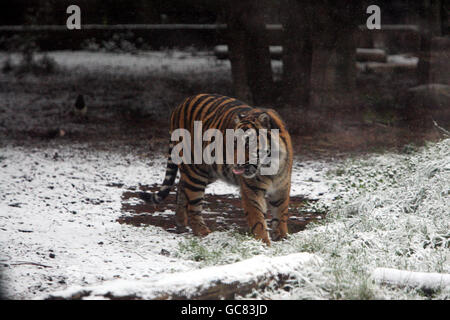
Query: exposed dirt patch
x=220, y=212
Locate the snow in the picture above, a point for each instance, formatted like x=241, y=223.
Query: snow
x=59, y=201
x=309, y=179
x=145, y=62
x=58, y=212
x=422, y=280
x=402, y=59
x=392, y=212
x=70, y=212
x=385, y=210
x=396, y=61
x=58, y=226
x=189, y=283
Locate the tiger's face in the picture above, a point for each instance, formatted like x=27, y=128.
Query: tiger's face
x=253, y=142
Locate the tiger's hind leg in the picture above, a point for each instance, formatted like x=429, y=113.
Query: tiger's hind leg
x=181, y=217
x=189, y=207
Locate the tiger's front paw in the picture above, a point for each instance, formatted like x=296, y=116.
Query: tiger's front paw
x=278, y=230
x=278, y=234
x=181, y=229
x=265, y=239
x=263, y=236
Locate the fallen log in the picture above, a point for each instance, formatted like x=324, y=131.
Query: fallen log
x=218, y=282
x=419, y=280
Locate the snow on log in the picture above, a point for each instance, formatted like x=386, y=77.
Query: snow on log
x=216, y=282
x=395, y=63
x=420, y=280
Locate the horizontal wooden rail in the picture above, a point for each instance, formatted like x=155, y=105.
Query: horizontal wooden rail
x=270, y=27
x=117, y=27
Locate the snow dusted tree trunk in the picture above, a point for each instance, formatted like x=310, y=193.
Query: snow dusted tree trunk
x=216, y=282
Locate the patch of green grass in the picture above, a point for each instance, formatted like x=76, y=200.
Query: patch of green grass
x=196, y=251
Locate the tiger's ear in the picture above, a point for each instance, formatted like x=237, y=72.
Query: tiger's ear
x=265, y=120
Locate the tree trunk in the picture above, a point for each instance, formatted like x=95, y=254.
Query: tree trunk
x=297, y=55
x=346, y=61
x=430, y=26
x=249, y=51
x=237, y=54
x=259, y=68
x=334, y=57
x=319, y=63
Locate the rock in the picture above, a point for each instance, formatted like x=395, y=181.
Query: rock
x=429, y=96
x=164, y=252
x=425, y=103
x=440, y=43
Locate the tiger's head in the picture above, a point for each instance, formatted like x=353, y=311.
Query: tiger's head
x=252, y=141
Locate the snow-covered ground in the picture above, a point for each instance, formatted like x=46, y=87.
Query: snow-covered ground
x=389, y=211
x=59, y=208
x=142, y=63
x=58, y=214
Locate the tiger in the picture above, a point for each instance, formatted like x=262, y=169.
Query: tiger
x=258, y=192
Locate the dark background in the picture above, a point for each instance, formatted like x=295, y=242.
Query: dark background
x=18, y=12
x=327, y=92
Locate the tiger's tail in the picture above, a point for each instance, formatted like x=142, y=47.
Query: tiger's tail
x=169, y=181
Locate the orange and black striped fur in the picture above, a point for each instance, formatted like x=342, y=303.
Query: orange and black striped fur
x=258, y=192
